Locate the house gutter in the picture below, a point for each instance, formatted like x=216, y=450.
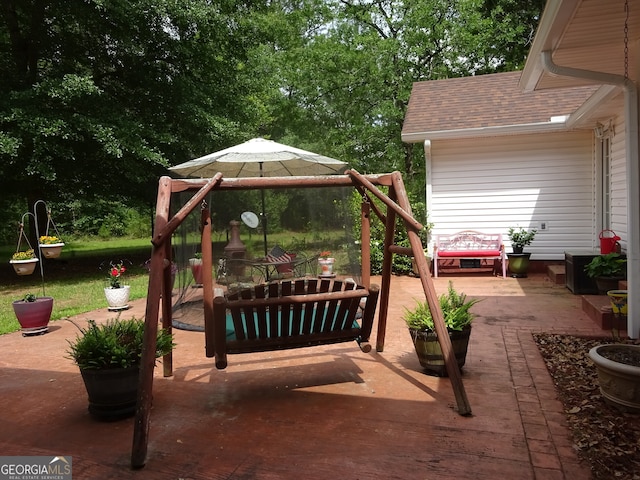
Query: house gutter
x=555, y=124
x=633, y=175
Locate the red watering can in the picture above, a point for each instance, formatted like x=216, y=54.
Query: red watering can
x=608, y=241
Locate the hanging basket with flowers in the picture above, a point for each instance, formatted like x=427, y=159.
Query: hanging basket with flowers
x=51, y=246
x=24, y=262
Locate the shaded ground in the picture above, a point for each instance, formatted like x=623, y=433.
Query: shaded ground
x=605, y=437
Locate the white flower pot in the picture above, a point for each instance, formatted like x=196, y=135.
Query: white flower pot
x=51, y=250
x=326, y=266
x=117, y=298
x=24, y=267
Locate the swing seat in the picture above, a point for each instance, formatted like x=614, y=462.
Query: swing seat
x=289, y=314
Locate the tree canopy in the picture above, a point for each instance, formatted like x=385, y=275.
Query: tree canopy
x=100, y=96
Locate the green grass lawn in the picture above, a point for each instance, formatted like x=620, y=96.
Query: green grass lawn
x=76, y=280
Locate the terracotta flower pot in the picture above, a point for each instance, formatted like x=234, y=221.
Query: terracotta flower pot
x=326, y=266
x=196, y=270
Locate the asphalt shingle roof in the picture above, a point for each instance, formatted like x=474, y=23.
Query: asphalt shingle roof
x=485, y=101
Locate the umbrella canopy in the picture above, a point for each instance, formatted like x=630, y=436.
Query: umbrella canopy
x=259, y=157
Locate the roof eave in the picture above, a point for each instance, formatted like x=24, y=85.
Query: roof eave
x=554, y=125
x=554, y=19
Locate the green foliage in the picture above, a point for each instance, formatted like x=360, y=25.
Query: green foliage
x=521, y=237
x=607, y=265
x=115, y=344
x=455, y=309
x=401, y=264
x=29, y=297
x=163, y=80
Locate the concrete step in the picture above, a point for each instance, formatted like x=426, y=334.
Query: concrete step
x=598, y=309
x=556, y=274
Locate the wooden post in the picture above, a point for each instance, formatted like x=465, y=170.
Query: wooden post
x=434, y=305
x=387, y=265
x=207, y=263
x=148, y=360
x=167, y=290
x=365, y=242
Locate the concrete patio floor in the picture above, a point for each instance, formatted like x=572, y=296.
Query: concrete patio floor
x=321, y=412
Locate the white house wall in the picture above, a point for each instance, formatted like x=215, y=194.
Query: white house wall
x=619, y=183
x=491, y=184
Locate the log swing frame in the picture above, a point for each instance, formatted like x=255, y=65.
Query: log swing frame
x=159, y=289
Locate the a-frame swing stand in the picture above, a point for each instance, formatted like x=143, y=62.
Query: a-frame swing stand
x=159, y=289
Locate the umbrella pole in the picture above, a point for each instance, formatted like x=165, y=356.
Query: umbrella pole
x=264, y=219
x=264, y=223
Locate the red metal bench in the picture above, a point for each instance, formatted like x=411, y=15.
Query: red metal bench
x=469, y=244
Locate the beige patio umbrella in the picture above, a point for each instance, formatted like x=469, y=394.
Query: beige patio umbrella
x=259, y=157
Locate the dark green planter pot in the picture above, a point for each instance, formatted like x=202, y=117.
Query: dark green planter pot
x=112, y=392
x=430, y=354
x=519, y=264
x=605, y=284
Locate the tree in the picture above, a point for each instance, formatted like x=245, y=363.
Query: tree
x=348, y=69
x=100, y=96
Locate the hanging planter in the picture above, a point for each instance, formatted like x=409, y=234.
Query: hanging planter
x=24, y=267
x=51, y=247
x=24, y=263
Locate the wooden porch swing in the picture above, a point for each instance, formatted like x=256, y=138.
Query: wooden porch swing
x=159, y=288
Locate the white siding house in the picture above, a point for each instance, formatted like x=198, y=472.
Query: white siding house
x=556, y=144
x=533, y=181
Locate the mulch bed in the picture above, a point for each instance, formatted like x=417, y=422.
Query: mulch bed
x=602, y=435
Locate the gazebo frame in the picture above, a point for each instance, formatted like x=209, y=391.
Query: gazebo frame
x=159, y=288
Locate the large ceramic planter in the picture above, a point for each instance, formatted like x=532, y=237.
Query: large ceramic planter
x=24, y=267
x=519, y=264
x=429, y=351
x=117, y=298
x=619, y=382
x=51, y=250
x=34, y=316
x=112, y=392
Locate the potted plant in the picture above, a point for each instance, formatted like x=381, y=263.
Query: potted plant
x=326, y=262
x=618, y=369
x=457, y=317
x=116, y=293
x=519, y=260
x=50, y=246
x=195, y=263
x=108, y=356
x=24, y=262
x=607, y=270
x=33, y=314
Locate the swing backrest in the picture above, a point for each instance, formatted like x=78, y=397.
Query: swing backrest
x=289, y=314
